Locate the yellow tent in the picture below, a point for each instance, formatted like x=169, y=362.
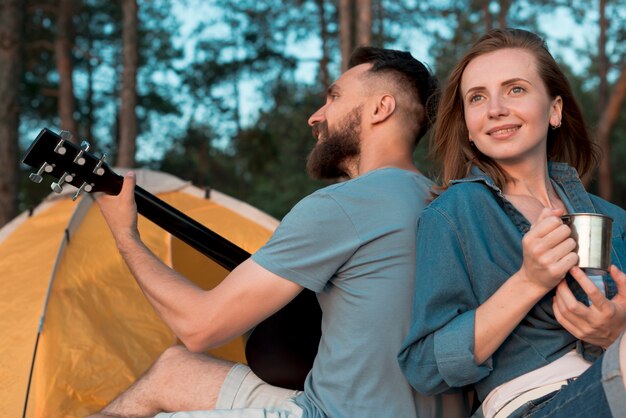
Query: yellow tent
x=61, y=273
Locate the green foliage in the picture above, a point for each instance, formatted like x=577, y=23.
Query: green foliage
x=195, y=157
x=274, y=151
x=263, y=164
x=39, y=81
x=192, y=99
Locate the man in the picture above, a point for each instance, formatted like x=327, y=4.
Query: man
x=353, y=243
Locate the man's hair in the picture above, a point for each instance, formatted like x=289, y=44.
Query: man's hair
x=571, y=143
x=409, y=75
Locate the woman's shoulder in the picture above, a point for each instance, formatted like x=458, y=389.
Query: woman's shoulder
x=607, y=208
x=462, y=201
x=469, y=192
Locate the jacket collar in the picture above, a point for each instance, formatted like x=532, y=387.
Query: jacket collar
x=562, y=174
x=559, y=172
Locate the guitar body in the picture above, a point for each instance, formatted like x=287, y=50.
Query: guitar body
x=281, y=349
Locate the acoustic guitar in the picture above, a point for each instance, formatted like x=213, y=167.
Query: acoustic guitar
x=281, y=349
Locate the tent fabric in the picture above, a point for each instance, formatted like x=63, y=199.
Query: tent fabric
x=98, y=333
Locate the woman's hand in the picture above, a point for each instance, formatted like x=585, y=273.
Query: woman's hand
x=548, y=256
x=548, y=251
x=602, y=322
x=120, y=212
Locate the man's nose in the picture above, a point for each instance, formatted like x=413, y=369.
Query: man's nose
x=317, y=117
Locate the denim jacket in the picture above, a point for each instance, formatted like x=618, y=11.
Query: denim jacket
x=468, y=245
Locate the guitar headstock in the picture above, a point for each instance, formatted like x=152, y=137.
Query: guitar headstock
x=55, y=155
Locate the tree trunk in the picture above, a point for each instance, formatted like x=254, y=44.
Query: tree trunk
x=603, y=134
x=364, y=22
x=237, y=109
x=63, y=56
x=89, y=96
x=605, y=178
x=128, y=116
x=487, y=15
x=345, y=32
x=504, y=11
x=11, y=41
x=202, y=174
x=324, y=76
x=380, y=24
x=603, y=65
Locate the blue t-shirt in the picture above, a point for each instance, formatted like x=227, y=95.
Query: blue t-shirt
x=353, y=244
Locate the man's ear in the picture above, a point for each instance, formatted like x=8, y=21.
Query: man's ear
x=385, y=106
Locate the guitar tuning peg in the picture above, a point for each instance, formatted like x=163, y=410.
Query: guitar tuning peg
x=57, y=186
x=85, y=187
x=98, y=170
x=66, y=135
x=79, y=159
x=60, y=147
x=36, y=177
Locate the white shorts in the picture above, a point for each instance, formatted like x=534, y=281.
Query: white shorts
x=244, y=395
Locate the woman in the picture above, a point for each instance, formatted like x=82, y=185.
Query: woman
x=492, y=308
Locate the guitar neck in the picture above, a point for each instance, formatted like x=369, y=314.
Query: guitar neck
x=56, y=156
x=188, y=230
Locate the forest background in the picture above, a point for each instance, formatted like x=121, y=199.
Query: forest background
x=218, y=92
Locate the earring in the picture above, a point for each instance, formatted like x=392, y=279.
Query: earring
x=557, y=126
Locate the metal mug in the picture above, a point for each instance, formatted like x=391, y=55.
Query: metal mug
x=592, y=233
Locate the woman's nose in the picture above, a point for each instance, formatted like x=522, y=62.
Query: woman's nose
x=497, y=107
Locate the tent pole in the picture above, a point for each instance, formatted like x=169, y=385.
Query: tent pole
x=30, y=375
x=64, y=241
x=79, y=211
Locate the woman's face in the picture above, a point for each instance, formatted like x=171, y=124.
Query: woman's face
x=507, y=107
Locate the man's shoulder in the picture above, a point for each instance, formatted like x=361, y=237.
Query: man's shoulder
x=374, y=191
x=388, y=179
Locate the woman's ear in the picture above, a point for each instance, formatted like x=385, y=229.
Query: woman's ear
x=385, y=106
x=556, y=111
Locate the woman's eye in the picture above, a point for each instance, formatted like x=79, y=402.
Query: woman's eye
x=517, y=89
x=475, y=98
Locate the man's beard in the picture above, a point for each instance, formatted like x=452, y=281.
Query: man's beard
x=330, y=155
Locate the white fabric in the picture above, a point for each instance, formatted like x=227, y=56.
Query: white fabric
x=529, y=396
x=244, y=395
x=569, y=366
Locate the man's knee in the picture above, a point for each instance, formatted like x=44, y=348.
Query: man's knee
x=177, y=358
x=171, y=361
x=174, y=354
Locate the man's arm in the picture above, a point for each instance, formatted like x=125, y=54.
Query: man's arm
x=200, y=318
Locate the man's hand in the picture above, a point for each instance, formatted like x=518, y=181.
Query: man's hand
x=120, y=212
x=548, y=251
x=602, y=322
